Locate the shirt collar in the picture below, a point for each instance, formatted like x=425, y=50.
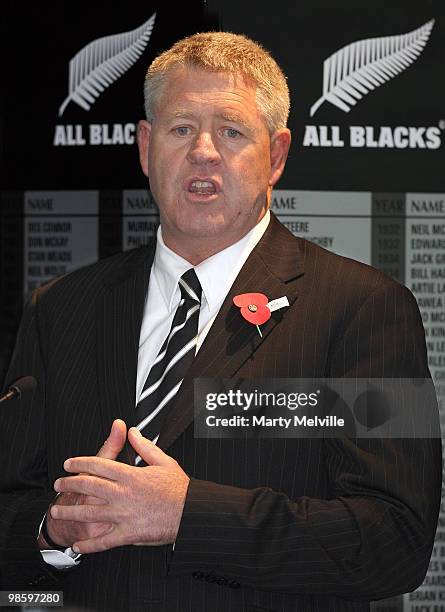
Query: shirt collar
x=168, y=267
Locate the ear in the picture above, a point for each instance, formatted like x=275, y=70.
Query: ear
x=279, y=149
x=143, y=138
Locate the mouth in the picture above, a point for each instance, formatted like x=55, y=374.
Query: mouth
x=204, y=187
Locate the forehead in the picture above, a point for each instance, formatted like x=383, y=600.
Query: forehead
x=194, y=89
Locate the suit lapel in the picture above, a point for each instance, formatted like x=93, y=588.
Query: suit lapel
x=272, y=268
x=119, y=316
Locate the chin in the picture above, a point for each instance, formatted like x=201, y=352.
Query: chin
x=203, y=231
x=209, y=225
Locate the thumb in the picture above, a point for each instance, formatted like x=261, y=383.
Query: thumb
x=149, y=452
x=115, y=441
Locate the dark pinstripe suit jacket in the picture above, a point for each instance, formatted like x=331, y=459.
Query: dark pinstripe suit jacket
x=268, y=525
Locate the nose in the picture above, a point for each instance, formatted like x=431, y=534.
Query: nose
x=203, y=150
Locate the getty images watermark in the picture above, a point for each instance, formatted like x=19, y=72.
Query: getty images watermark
x=314, y=408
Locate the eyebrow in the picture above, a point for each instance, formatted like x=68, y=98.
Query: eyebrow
x=183, y=114
x=234, y=118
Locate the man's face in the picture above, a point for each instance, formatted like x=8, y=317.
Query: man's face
x=210, y=160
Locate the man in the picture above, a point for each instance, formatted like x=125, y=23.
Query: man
x=262, y=524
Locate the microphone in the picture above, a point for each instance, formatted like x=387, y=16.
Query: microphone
x=21, y=385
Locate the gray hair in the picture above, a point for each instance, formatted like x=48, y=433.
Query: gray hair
x=224, y=52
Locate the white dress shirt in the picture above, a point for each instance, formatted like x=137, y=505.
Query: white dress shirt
x=216, y=275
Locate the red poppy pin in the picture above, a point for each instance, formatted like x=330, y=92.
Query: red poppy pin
x=253, y=308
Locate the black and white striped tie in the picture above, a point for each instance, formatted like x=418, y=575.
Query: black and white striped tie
x=173, y=360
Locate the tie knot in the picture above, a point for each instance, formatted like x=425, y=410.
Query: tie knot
x=190, y=286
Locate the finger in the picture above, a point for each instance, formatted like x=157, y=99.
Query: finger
x=97, y=466
x=83, y=513
x=112, y=539
x=88, y=499
x=150, y=453
x=115, y=441
x=85, y=484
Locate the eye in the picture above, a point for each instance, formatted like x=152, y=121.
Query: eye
x=231, y=133
x=182, y=130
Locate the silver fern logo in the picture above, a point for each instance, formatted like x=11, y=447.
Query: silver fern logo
x=358, y=68
x=100, y=63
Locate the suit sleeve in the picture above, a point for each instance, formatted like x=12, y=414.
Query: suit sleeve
x=372, y=538
x=25, y=492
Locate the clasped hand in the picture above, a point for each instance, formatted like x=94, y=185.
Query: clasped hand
x=108, y=504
